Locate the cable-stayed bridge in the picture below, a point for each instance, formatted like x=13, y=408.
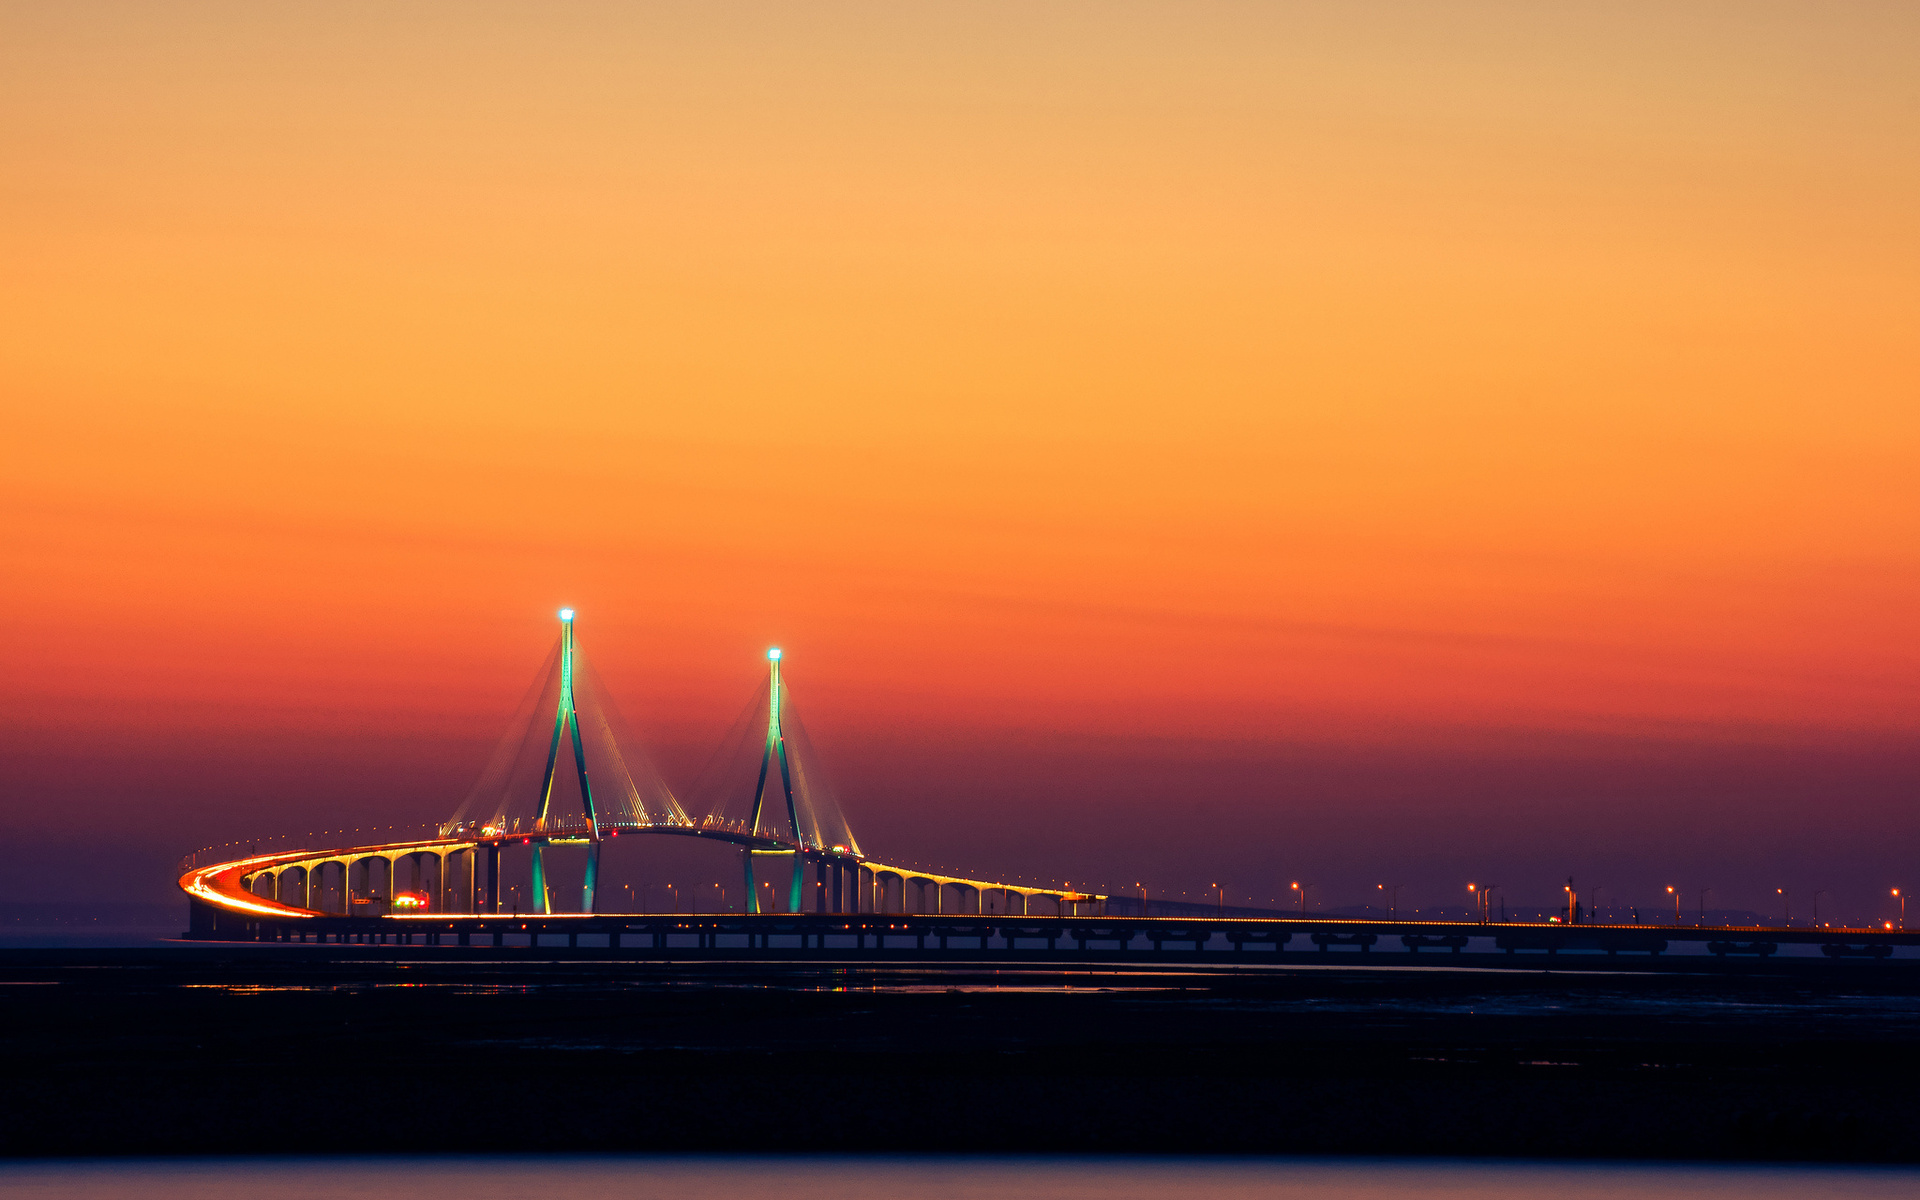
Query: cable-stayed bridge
x=570, y=773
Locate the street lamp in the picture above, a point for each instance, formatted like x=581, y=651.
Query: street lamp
x=1486, y=902
x=1786, y=905
x=1903, y=906
x=1222, y=899
x=1816, y=904
x=1393, y=899
x=1303, y=898
x=1676, y=904
x=1704, y=892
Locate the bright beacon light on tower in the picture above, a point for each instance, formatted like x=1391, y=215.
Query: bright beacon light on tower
x=566, y=614
x=774, y=654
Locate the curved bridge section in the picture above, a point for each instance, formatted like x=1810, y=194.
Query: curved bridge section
x=241, y=897
x=570, y=772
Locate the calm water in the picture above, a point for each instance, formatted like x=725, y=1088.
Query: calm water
x=667, y=1178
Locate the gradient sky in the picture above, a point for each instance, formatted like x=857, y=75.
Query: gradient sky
x=1249, y=441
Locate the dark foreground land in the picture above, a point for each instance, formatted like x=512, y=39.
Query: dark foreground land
x=261, y=1050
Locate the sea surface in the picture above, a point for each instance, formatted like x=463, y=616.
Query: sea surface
x=931, y=1178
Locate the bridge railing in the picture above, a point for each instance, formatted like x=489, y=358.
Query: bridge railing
x=563, y=826
x=318, y=839
x=372, y=835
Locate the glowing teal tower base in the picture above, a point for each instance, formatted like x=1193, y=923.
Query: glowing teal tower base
x=566, y=718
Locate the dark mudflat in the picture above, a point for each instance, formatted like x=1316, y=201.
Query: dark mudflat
x=236, y=1050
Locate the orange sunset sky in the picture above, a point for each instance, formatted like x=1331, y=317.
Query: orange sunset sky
x=1180, y=442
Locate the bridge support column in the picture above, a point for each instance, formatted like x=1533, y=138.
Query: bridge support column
x=820, y=896
x=592, y=878
x=493, y=881
x=541, y=902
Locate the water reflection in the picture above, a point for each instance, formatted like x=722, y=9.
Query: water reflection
x=933, y=1178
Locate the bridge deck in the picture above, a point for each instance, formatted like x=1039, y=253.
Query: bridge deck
x=1015, y=938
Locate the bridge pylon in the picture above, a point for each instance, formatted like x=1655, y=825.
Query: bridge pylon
x=776, y=748
x=566, y=718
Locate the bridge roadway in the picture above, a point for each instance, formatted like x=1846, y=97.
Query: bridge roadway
x=283, y=885
x=248, y=900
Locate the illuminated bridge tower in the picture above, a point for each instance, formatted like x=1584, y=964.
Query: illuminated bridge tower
x=776, y=748
x=566, y=719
